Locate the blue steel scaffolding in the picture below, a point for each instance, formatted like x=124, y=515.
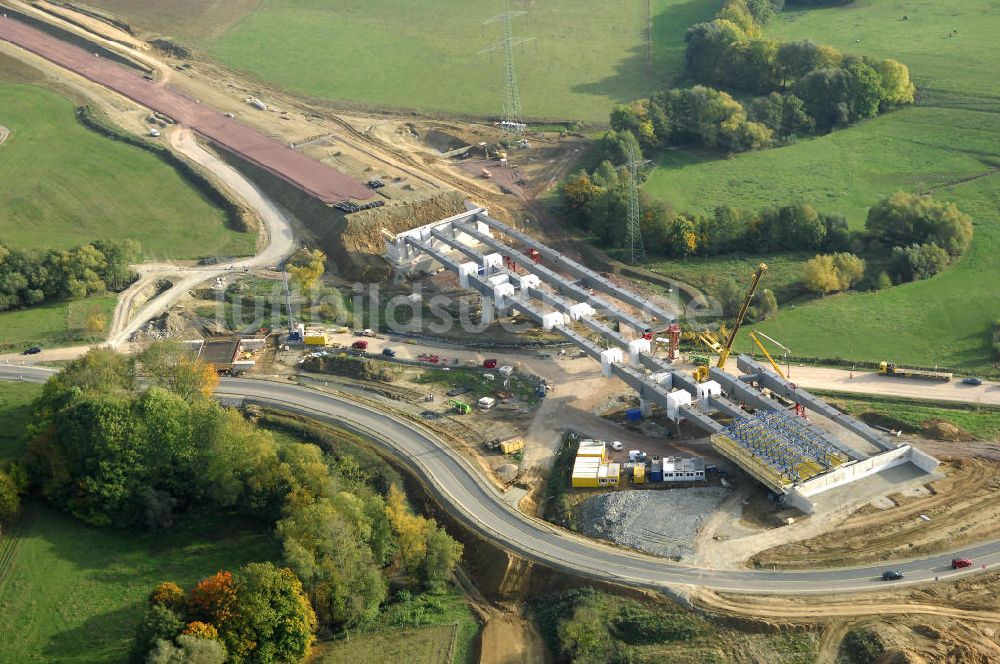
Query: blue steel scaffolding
x=784, y=444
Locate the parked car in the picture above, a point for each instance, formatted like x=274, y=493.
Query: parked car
x=958, y=563
x=972, y=380
x=388, y=352
x=360, y=345
x=34, y=350
x=489, y=364
x=617, y=446
x=892, y=575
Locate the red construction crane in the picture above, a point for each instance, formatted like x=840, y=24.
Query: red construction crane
x=673, y=332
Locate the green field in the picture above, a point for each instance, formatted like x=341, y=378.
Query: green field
x=73, y=593
x=945, y=145
x=430, y=645
x=63, y=185
x=910, y=415
x=54, y=324
x=15, y=413
x=424, y=55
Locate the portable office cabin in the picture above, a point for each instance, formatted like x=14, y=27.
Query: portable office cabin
x=592, y=448
x=683, y=469
x=656, y=471
x=585, y=472
x=639, y=473
x=609, y=474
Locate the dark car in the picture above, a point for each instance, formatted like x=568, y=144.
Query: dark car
x=388, y=352
x=34, y=350
x=972, y=381
x=892, y=575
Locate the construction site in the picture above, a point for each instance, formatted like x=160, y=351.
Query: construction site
x=599, y=434
x=746, y=415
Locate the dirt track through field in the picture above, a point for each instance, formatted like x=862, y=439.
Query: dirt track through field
x=316, y=179
x=4, y=133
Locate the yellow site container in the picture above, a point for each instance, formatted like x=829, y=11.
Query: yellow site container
x=315, y=339
x=639, y=474
x=589, y=448
x=511, y=446
x=585, y=472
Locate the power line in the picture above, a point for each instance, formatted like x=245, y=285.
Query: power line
x=512, y=121
x=634, y=242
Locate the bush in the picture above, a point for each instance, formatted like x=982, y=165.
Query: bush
x=918, y=261
x=832, y=273
x=905, y=219
x=637, y=625
x=157, y=623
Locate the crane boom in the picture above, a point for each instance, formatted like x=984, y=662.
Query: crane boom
x=753, y=335
x=728, y=346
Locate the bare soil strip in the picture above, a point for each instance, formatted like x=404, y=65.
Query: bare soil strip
x=316, y=179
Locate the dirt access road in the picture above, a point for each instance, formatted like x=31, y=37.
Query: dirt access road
x=280, y=244
x=318, y=180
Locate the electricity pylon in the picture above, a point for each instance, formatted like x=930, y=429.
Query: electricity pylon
x=512, y=122
x=634, y=233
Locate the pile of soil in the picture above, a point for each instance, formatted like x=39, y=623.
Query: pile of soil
x=942, y=430
x=363, y=233
x=507, y=473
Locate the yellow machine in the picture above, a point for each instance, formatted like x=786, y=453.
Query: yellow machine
x=724, y=349
x=753, y=335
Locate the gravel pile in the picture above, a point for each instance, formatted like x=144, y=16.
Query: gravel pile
x=507, y=472
x=663, y=523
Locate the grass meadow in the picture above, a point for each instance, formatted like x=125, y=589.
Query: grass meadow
x=74, y=593
x=63, y=185
x=70, y=592
x=61, y=323
x=945, y=145
x=15, y=413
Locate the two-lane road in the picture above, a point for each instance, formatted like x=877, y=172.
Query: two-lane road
x=468, y=496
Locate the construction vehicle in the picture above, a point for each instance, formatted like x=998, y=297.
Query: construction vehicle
x=460, y=407
x=673, y=339
x=505, y=446
x=754, y=334
x=890, y=369
x=724, y=349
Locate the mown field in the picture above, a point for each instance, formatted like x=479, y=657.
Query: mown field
x=74, y=593
x=63, y=185
x=55, y=323
x=426, y=55
x=15, y=413
x=910, y=415
x=945, y=146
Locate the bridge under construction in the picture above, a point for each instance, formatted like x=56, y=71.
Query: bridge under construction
x=749, y=417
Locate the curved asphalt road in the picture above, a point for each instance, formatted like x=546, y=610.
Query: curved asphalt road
x=468, y=496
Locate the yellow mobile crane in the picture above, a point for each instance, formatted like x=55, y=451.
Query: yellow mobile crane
x=753, y=335
x=701, y=373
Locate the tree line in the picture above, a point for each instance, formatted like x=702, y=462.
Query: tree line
x=28, y=278
x=909, y=236
x=112, y=454
x=799, y=87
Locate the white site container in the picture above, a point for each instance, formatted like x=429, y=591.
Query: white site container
x=674, y=402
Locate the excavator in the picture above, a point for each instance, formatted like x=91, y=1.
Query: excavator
x=724, y=349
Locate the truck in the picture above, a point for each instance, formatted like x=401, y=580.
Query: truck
x=890, y=369
x=505, y=446
x=460, y=407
